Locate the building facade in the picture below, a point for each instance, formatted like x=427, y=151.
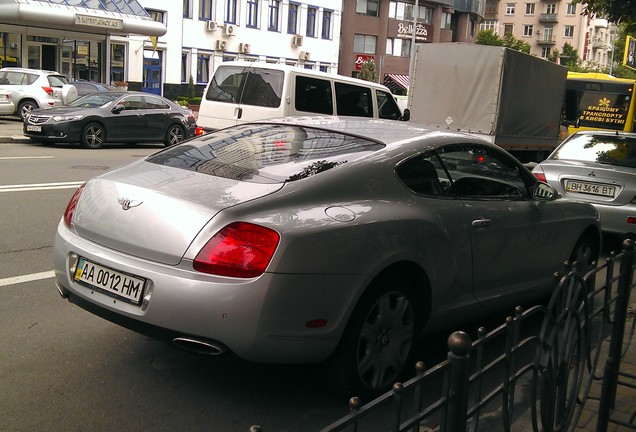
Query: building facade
x=382, y=31
x=548, y=24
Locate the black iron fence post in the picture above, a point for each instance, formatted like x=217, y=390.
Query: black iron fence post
x=459, y=344
x=612, y=364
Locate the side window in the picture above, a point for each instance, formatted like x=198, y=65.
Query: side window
x=132, y=103
x=423, y=174
x=353, y=100
x=16, y=78
x=313, y=95
x=155, y=103
x=4, y=79
x=226, y=84
x=482, y=173
x=387, y=107
x=263, y=87
x=57, y=81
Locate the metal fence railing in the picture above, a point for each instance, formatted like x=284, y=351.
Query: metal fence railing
x=542, y=380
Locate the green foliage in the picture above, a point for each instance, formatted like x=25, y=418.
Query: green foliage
x=191, y=88
x=489, y=37
x=623, y=11
x=569, y=57
x=368, y=71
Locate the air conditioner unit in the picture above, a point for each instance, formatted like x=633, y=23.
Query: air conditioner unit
x=244, y=47
x=304, y=55
x=221, y=45
x=210, y=25
x=229, y=30
x=538, y=32
x=297, y=41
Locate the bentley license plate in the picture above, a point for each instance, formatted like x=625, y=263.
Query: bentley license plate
x=111, y=282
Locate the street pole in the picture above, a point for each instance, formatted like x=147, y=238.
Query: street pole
x=613, y=37
x=416, y=14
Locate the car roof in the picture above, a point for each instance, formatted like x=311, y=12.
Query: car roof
x=38, y=71
x=604, y=132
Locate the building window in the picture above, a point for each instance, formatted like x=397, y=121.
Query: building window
x=367, y=7
x=551, y=8
x=489, y=25
x=508, y=28
x=205, y=9
x=156, y=15
x=117, y=62
x=545, y=52
x=184, y=66
x=292, y=18
x=405, y=11
x=203, y=68
x=252, y=13
x=311, y=21
x=492, y=7
x=527, y=30
x=323, y=68
x=529, y=8
x=447, y=21
x=326, y=24
x=569, y=31
x=398, y=47
x=187, y=9
x=571, y=10
x=510, y=8
x=230, y=12
x=364, y=44
x=274, y=15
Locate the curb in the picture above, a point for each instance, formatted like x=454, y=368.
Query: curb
x=14, y=139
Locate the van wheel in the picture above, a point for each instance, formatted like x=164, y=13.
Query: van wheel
x=174, y=135
x=377, y=346
x=93, y=136
x=26, y=107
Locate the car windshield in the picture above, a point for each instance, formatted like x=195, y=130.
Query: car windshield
x=619, y=150
x=95, y=100
x=266, y=153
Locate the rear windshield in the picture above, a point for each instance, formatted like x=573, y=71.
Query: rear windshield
x=249, y=86
x=616, y=150
x=266, y=153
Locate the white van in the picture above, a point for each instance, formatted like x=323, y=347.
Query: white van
x=243, y=91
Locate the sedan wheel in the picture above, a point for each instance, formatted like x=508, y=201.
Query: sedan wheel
x=93, y=136
x=26, y=107
x=174, y=135
x=377, y=346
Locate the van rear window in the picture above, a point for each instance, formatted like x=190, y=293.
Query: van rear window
x=246, y=85
x=266, y=153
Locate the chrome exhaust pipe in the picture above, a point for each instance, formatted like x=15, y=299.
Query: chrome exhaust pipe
x=61, y=290
x=199, y=346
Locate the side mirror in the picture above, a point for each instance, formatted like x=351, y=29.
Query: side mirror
x=544, y=192
x=118, y=108
x=406, y=115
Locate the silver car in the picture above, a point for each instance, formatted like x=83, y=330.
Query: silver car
x=34, y=88
x=7, y=107
x=317, y=240
x=598, y=167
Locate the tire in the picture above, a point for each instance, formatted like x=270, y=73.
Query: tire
x=377, y=347
x=585, y=252
x=175, y=135
x=93, y=135
x=26, y=107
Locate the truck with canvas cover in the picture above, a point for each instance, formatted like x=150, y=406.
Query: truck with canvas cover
x=511, y=98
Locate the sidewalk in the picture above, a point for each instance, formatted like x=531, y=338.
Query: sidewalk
x=11, y=131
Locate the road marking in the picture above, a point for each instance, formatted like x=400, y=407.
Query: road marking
x=41, y=186
x=25, y=157
x=26, y=278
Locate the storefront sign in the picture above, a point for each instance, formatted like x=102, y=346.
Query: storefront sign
x=95, y=21
x=361, y=58
x=404, y=30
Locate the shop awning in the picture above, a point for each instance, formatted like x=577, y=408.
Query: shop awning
x=119, y=17
x=396, y=81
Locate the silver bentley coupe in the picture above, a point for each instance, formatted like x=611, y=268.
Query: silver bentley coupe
x=324, y=240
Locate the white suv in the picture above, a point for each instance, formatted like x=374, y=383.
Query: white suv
x=33, y=88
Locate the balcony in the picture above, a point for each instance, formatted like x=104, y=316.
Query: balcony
x=546, y=40
x=548, y=18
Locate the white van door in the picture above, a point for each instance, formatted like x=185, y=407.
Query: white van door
x=239, y=94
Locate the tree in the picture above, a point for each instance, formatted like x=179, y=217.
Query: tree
x=489, y=37
x=570, y=57
x=516, y=44
x=618, y=11
x=368, y=71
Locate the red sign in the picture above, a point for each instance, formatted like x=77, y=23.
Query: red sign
x=361, y=58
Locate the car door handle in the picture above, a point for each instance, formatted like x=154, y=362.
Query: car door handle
x=140, y=114
x=481, y=223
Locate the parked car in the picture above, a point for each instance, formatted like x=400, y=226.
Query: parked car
x=87, y=87
x=7, y=107
x=317, y=240
x=34, y=88
x=598, y=167
x=98, y=118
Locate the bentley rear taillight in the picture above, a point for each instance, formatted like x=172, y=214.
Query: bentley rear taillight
x=240, y=249
x=70, y=208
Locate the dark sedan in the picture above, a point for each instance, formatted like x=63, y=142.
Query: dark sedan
x=97, y=118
